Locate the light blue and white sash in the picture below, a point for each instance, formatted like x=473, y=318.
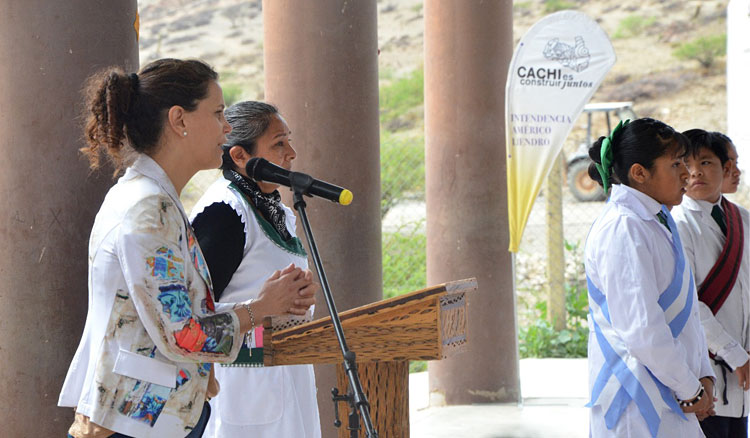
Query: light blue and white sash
x=622, y=378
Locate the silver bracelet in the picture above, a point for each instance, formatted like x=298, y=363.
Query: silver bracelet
x=252, y=315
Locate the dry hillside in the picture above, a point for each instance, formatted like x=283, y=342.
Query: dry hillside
x=229, y=35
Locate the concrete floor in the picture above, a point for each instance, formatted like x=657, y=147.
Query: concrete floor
x=554, y=395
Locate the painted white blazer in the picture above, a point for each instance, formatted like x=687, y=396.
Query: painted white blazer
x=141, y=367
x=727, y=332
x=629, y=257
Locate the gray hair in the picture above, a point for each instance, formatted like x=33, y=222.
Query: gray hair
x=249, y=120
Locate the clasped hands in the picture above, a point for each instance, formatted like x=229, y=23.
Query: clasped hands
x=743, y=379
x=288, y=291
x=705, y=406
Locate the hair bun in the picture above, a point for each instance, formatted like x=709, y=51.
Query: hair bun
x=595, y=151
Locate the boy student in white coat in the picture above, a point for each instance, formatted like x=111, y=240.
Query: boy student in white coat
x=716, y=246
x=649, y=371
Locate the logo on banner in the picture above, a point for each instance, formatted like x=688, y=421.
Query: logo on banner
x=575, y=57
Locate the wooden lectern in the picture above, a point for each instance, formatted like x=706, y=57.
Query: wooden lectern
x=429, y=324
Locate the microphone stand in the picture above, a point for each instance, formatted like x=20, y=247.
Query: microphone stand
x=355, y=397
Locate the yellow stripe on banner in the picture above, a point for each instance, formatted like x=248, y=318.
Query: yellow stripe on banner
x=524, y=183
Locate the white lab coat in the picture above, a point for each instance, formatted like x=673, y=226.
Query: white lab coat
x=629, y=257
x=727, y=331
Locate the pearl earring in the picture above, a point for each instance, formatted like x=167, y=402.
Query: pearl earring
x=184, y=133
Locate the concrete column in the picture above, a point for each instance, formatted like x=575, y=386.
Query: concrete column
x=49, y=199
x=468, y=46
x=321, y=71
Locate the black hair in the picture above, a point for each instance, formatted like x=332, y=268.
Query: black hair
x=700, y=139
x=721, y=140
x=641, y=141
x=134, y=107
x=249, y=120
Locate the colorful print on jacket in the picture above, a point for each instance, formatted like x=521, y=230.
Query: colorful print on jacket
x=151, y=334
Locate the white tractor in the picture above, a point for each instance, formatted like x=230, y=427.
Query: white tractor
x=581, y=185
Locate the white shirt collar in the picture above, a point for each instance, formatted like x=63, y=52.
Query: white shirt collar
x=149, y=168
x=698, y=205
x=640, y=203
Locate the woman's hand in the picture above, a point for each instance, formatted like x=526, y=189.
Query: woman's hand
x=290, y=290
x=213, y=388
x=306, y=295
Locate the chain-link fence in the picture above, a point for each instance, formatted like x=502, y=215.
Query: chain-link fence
x=403, y=213
x=550, y=278
x=402, y=183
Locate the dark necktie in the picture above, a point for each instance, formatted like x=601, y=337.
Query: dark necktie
x=718, y=216
x=663, y=219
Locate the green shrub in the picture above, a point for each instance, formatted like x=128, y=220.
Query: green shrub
x=401, y=169
x=232, y=93
x=633, y=25
x=385, y=75
x=557, y=5
x=538, y=338
x=703, y=49
x=416, y=366
x=401, y=95
x=404, y=263
x=521, y=6
x=405, y=270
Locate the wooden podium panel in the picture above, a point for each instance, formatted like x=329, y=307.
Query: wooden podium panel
x=428, y=324
x=386, y=385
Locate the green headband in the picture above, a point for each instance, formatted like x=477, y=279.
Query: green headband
x=605, y=168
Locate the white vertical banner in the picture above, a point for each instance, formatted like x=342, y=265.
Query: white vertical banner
x=738, y=72
x=556, y=68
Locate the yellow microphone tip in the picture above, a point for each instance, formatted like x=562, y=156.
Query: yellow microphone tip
x=345, y=198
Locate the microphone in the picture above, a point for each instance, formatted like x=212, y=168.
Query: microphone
x=261, y=169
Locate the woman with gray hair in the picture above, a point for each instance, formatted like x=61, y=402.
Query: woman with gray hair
x=246, y=233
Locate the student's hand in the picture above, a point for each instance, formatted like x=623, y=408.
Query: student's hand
x=702, y=415
x=706, y=403
x=708, y=387
x=743, y=375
